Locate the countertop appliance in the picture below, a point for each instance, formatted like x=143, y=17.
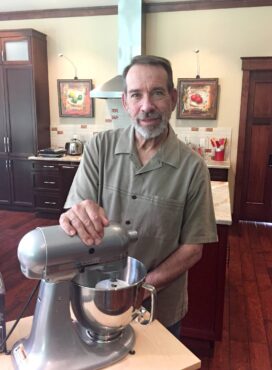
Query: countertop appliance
x=74, y=147
x=104, y=287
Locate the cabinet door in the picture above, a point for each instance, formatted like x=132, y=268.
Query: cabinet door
x=3, y=128
x=67, y=173
x=15, y=50
x=206, y=286
x=5, y=194
x=21, y=118
x=21, y=179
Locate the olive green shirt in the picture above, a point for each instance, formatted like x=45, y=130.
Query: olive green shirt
x=168, y=201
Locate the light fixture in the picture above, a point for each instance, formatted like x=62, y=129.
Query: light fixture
x=69, y=60
x=197, y=63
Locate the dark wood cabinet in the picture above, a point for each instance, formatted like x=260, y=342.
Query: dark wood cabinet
x=24, y=111
x=15, y=184
x=51, y=181
x=218, y=174
x=202, y=325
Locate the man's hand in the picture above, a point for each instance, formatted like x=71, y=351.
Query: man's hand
x=87, y=219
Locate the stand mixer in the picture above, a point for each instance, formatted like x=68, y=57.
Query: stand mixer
x=88, y=297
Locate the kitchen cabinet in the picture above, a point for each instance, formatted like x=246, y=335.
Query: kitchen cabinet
x=15, y=183
x=51, y=181
x=202, y=325
x=219, y=174
x=24, y=111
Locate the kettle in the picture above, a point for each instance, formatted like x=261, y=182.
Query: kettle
x=74, y=147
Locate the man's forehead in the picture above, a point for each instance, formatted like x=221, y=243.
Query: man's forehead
x=146, y=74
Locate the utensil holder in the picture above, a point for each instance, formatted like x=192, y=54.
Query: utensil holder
x=219, y=154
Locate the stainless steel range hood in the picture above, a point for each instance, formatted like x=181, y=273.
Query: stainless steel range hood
x=130, y=43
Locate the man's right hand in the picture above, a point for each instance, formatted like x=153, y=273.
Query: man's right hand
x=87, y=219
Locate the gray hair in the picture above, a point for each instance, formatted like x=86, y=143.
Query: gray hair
x=151, y=60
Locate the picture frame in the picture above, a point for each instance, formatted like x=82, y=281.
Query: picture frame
x=197, y=98
x=74, y=98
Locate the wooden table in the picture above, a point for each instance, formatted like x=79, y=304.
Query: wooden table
x=155, y=349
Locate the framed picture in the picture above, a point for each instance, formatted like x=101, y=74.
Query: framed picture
x=74, y=98
x=197, y=98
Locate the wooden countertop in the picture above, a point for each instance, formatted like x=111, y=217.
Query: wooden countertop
x=155, y=349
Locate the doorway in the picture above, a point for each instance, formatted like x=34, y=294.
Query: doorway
x=253, y=189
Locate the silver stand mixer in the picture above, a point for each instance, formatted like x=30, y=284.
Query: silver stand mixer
x=87, y=299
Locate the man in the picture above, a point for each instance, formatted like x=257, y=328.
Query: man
x=146, y=179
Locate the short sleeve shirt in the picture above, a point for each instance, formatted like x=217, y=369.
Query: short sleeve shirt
x=168, y=201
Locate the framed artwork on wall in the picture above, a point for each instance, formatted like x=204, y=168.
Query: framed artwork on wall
x=74, y=98
x=197, y=98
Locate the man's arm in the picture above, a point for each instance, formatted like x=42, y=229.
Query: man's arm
x=176, y=264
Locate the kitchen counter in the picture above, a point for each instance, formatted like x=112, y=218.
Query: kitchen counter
x=155, y=349
x=217, y=164
x=76, y=158
x=221, y=202
x=65, y=158
x=220, y=189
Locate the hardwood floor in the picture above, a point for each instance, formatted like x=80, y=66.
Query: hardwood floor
x=247, y=333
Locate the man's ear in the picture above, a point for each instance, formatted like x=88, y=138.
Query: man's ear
x=174, y=98
x=124, y=101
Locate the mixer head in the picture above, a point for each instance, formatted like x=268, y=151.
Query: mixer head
x=49, y=253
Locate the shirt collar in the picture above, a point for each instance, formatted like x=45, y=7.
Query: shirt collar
x=167, y=153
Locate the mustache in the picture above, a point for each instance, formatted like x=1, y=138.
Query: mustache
x=152, y=115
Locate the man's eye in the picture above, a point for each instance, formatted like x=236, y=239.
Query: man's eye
x=135, y=95
x=158, y=93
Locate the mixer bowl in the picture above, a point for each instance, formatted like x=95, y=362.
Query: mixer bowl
x=106, y=302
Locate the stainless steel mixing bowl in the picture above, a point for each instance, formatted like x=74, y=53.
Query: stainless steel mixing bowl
x=106, y=301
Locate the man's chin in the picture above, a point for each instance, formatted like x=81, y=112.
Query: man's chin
x=149, y=132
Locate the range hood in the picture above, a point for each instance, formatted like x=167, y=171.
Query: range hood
x=130, y=43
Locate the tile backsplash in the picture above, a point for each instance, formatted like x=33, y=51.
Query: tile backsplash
x=198, y=138
x=63, y=133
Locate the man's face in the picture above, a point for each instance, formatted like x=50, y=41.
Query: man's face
x=148, y=101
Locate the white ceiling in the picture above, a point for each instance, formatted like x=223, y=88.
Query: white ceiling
x=20, y=5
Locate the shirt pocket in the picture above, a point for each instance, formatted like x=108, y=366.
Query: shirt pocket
x=162, y=218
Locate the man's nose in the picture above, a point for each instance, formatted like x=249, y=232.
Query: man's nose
x=147, y=103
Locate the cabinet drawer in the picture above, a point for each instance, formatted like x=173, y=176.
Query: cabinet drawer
x=46, y=166
x=47, y=202
x=46, y=181
x=219, y=174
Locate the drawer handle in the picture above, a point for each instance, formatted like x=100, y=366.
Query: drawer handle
x=47, y=166
x=68, y=167
x=49, y=182
x=50, y=203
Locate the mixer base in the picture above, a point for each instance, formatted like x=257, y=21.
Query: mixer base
x=93, y=356
x=54, y=342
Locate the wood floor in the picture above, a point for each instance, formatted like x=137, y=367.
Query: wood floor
x=247, y=334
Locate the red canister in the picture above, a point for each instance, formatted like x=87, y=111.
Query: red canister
x=219, y=154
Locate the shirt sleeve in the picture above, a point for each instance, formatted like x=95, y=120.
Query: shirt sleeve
x=199, y=224
x=86, y=181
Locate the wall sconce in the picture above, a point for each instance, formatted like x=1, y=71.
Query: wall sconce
x=69, y=60
x=197, y=63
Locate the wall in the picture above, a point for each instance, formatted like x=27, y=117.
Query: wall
x=223, y=36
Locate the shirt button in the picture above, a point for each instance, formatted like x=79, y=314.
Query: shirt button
x=134, y=197
x=127, y=222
